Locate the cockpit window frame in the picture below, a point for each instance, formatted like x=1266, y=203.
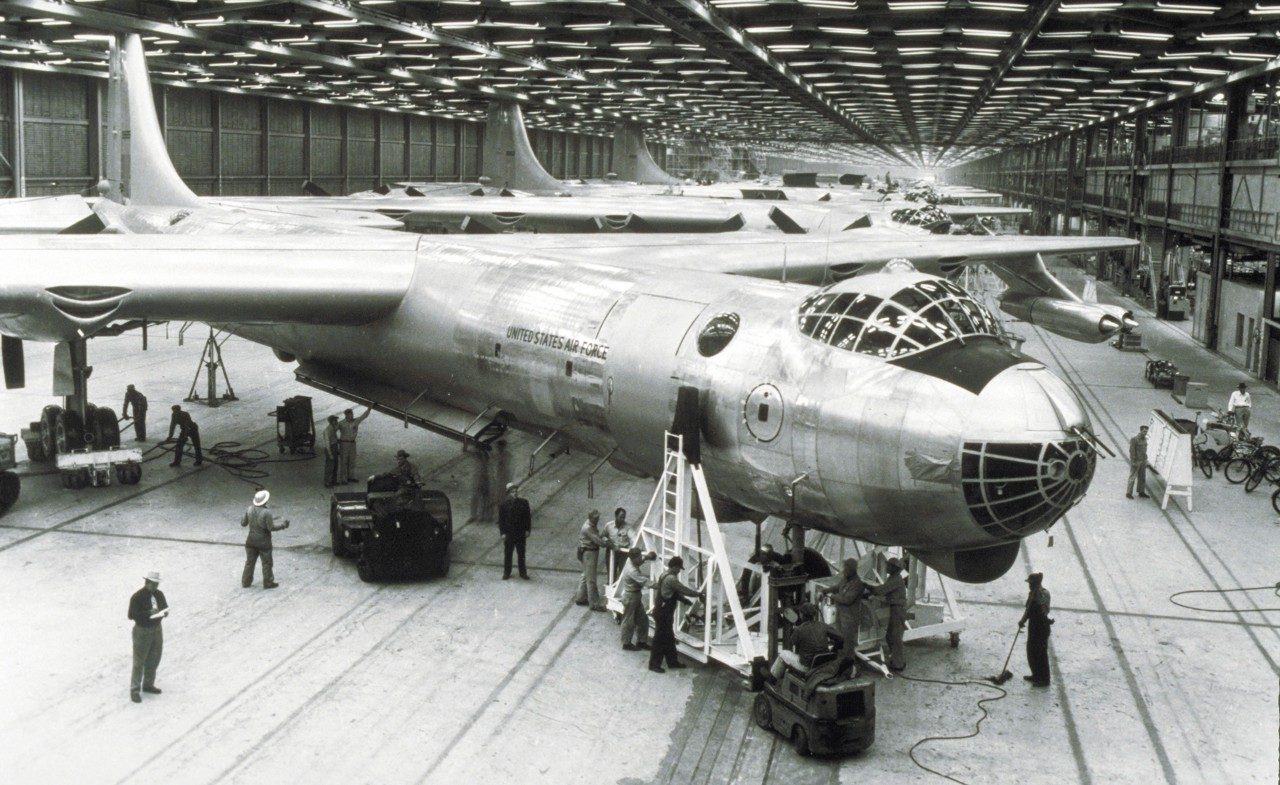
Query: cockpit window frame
x=890, y=328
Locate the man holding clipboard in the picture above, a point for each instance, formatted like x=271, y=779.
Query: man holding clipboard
x=147, y=607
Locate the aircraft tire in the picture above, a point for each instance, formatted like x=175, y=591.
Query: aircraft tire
x=49, y=431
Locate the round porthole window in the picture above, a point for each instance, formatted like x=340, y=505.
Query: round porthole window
x=717, y=333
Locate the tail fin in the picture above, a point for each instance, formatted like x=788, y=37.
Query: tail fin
x=509, y=160
x=632, y=160
x=139, y=168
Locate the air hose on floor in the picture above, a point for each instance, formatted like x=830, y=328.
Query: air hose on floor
x=242, y=463
x=1274, y=589
x=977, y=726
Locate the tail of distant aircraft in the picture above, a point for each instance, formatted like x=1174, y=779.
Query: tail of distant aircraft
x=139, y=170
x=509, y=160
x=632, y=160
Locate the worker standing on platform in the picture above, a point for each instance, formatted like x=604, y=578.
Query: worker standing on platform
x=1138, y=464
x=617, y=535
x=1241, y=405
x=894, y=592
x=332, y=448
x=139, y=403
x=635, y=579
x=1037, y=616
x=589, y=544
x=670, y=592
x=258, y=544
x=147, y=607
x=515, y=521
x=348, y=429
x=847, y=597
x=187, y=429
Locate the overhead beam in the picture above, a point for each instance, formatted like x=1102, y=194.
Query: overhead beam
x=754, y=59
x=1010, y=56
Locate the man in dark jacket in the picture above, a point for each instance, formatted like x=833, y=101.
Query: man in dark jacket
x=847, y=597
x=139, y=403
x=258, y=544
x=515, y=521
x=1037, y=615
x=187, y=429
x=147, y=607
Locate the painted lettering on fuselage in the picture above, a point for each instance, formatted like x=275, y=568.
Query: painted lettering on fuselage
x=565, y=343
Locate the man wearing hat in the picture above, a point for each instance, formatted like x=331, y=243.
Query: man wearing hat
x=847, y=597
x=147, y=607
x=258, y=544
x=515, y=521
x=670, y=592
x=348, y=429
x=405, y=470
x=1241, y=405
x=635, y=579
x=139, y=403
x=1037, y=615
x=589, y=544
x=894, y=593
x=1138, y=464
x=187, y=429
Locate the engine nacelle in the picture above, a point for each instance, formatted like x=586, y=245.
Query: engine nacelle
x=1079, y=321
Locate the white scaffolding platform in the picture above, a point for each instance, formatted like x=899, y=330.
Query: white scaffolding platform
x=723, y=628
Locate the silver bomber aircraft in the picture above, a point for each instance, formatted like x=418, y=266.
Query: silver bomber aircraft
x=884, y=406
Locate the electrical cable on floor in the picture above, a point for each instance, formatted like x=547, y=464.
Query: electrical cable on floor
x=242, y=463
x=1274, y=589
x=977, y=727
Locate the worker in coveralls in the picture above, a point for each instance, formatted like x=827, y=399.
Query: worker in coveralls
x=847, y=597
x=332, y=448
x=670, y=592
x=1037, y=616
x=348, y=430
x=139, y=403
x=187, y=430
x=257, y=545
x=894, y=593
x=635, y=579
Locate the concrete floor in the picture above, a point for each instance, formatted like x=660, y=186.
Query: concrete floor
x=472, y=679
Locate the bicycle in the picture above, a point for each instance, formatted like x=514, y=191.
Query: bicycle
x=1217, y=441
x=1262, y=464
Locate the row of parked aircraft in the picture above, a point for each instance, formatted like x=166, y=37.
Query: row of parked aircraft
x=824, y=349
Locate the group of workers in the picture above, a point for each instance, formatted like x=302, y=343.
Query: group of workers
x=338, y=442
x=180, y=421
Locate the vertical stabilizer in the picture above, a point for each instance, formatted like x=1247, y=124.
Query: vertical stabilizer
x=632, y=160
x=146, y=174
x=509, y=161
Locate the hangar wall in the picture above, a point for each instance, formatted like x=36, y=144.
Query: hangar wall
x=51, y=127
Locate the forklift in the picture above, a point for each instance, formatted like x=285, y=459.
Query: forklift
x=835, y=715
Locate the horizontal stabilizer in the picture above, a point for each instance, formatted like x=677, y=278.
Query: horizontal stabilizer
x=311, y=189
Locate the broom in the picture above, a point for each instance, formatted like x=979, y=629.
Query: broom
x=1005, y=675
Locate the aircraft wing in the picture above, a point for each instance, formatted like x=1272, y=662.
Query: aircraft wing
x=57, y=288
x=42, y=214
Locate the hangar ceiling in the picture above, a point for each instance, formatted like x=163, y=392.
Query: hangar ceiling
x=927, y=83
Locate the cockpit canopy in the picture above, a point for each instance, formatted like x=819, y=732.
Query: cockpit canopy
x=922, y=314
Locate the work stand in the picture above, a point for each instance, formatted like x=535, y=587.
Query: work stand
x=210, y=363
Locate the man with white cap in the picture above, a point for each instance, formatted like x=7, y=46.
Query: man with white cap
x=515, y=520
x=147, y=607
x=258, y=544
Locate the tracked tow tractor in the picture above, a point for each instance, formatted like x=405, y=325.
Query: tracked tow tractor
x=394, y=530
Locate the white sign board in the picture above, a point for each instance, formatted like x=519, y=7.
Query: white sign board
x=1169, y=456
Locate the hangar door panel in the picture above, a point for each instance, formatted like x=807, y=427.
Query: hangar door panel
x=640, y=390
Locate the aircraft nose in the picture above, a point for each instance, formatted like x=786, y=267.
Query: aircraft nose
x=1025, y=458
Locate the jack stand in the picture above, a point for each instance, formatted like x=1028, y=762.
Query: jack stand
x=211, y=361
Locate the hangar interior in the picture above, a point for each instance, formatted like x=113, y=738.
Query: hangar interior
x=1150, y=124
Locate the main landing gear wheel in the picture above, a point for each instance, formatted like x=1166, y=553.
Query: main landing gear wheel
x=68, y=432
x=762, y=712
x=106, y=429
x=49, y=417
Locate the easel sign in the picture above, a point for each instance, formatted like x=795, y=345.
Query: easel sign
x=1169, y=456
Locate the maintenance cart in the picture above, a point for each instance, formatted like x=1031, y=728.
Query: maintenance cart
x=835, y=717
x=98, y=468
x=393, y=530
x=10, y=485
x=295, y=430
